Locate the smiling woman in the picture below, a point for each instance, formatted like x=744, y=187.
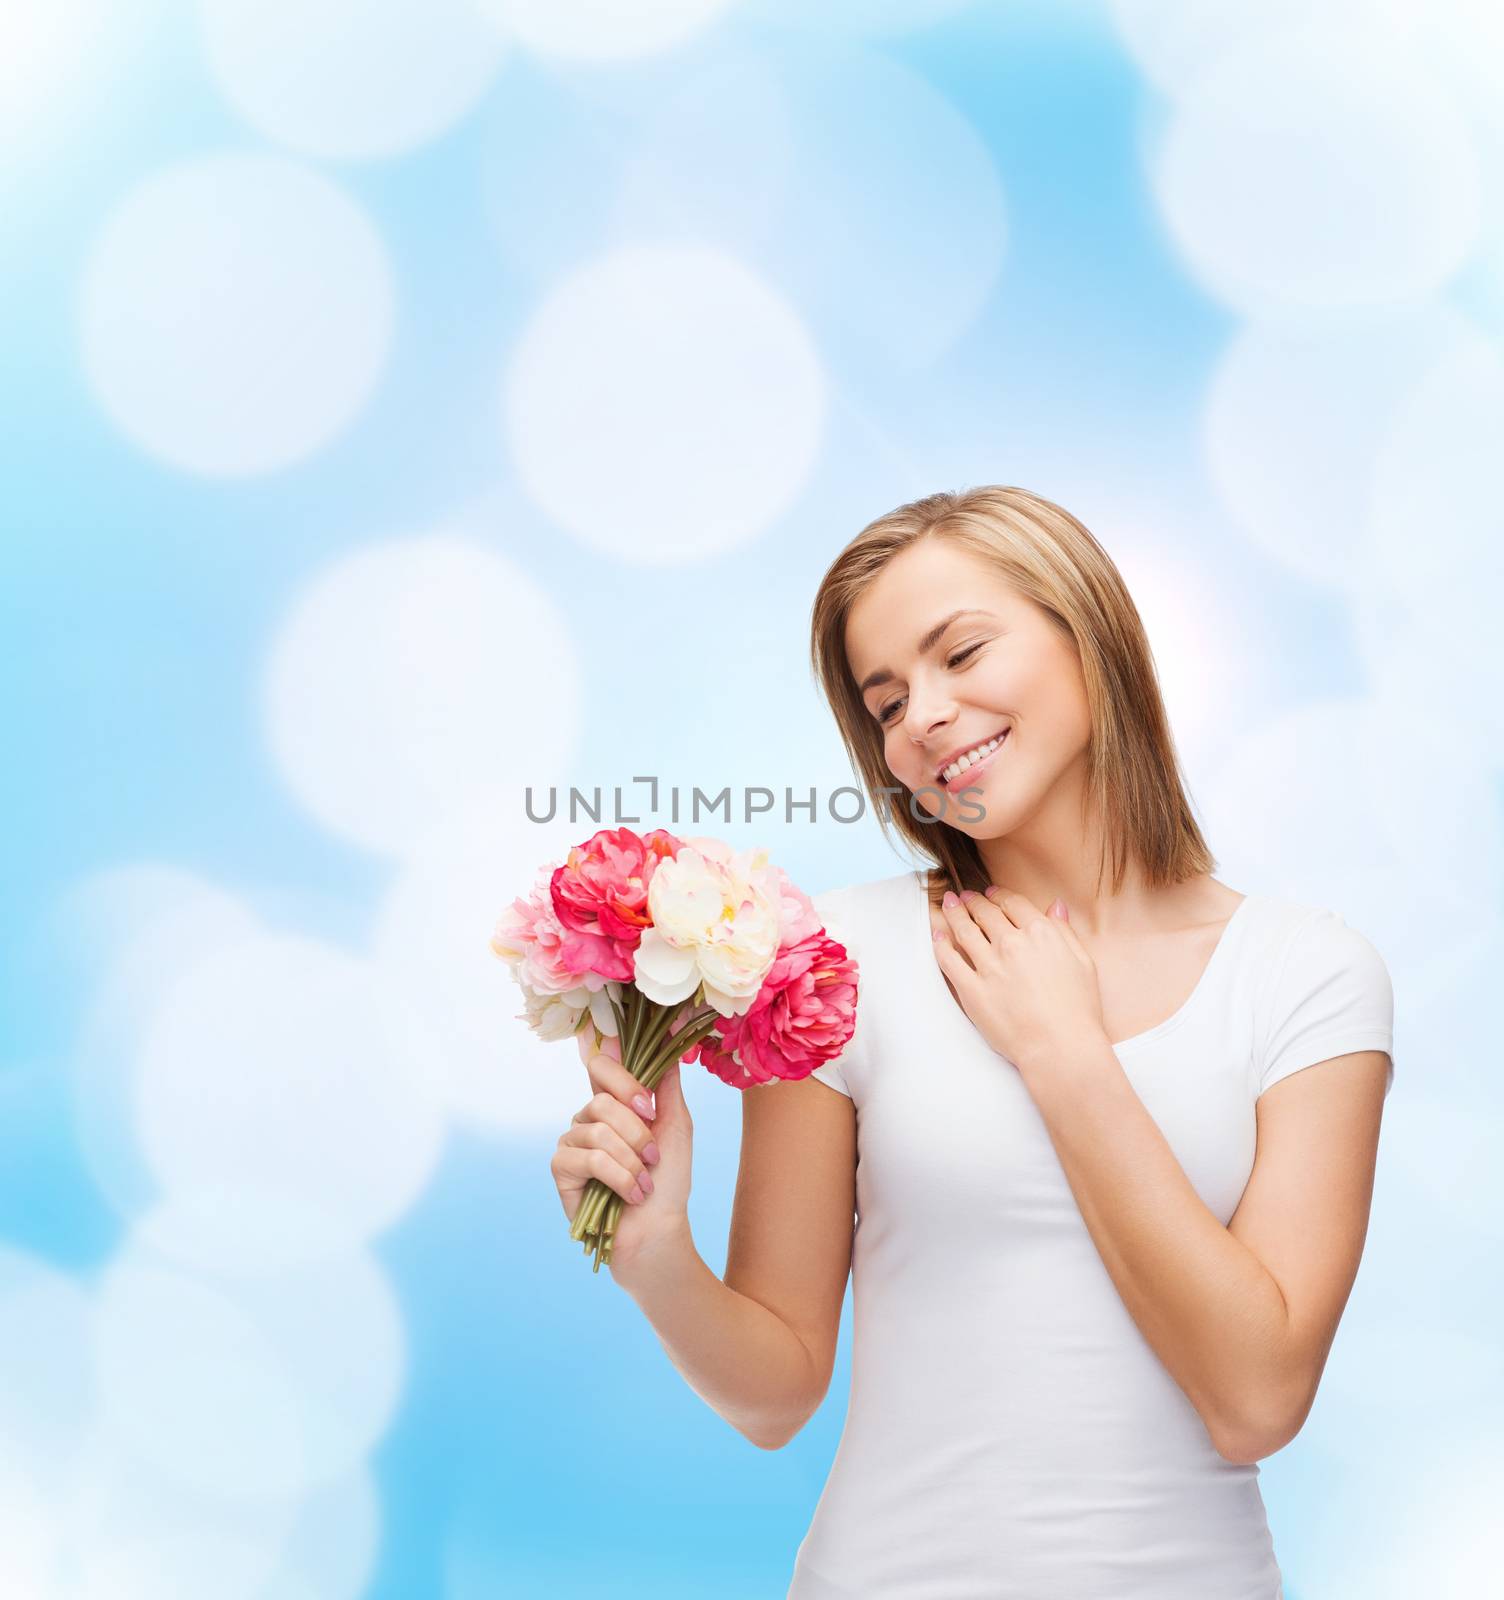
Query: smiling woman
x=1048, y=651
x=1107, y=1217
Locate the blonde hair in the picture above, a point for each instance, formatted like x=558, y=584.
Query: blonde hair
x=1134, y=783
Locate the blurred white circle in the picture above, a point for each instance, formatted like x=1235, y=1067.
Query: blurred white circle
x=273, y=1068
x=30, y=1539
x=235, y=313
x=1174, y=41
x=1320, y=804
x=1437, y=520
x=412, y=675
x=335, y=1542
x=804, y=165
x=136, y=929
x=548, y=166
x=46, y=1398
x=1427, y=613
x=1318, y=167
x=601, y=30
x=246, y=1387
x=1464, y=40
x=242, y=1225
x=878, y=17
x=135, y=1533
x=797, y=164
x=1425, y=669
x=704, y=156
x=1446, y=1148
x=1297, y=413
x=431, y=945
x=191, y=1560
x=348, y=80
x=1420, y=1521
x=664, y=405
x=43, y=54
x=1369, y=1352
x=60, y=63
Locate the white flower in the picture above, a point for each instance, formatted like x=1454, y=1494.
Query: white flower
x=715, y=922
x=561, y=1015
x=553, y=1015
x=600, y=1009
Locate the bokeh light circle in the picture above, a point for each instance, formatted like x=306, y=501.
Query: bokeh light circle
x=235, y=313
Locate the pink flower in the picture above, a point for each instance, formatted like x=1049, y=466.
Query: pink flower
x=531, y=940
x=797, y=917
x=600, y=897
x=803, y=1016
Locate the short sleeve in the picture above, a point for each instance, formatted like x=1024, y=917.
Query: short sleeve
x=832, y=1074
x=832, y=912
x=1332, y=995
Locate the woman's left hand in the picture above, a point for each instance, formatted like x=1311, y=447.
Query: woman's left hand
x=1023, y=978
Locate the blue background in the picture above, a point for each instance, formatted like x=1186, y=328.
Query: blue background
x=449, y=512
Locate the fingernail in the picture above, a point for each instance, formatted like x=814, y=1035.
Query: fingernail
x=644, y=1107
x=635, y=1196
x=968, y=894
x=650, y=1153
x=645, y=1183
x=951, y=899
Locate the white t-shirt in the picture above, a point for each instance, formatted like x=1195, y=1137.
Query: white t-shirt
x=1010, y=1433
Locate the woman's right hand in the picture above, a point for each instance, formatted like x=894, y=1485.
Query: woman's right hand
x=609, y=1138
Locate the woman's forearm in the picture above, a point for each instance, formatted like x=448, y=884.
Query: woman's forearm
x=1207, y=1305
x=743, y=1360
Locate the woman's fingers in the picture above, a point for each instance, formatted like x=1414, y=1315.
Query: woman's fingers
x=611, y=1138
x=573, y=1166
x=592, y=1149
x=609, y=1076
x=633, y=1132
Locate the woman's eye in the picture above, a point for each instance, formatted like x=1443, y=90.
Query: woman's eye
x=886, y=715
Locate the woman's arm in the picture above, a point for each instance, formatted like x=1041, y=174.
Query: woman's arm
x=742, y=1360
x=759, y=1346
x=1242, y=1316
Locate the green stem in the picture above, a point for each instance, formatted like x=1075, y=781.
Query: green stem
x=652, y=1035
x=617, y=1014
x=647, y=1051
x=634, y=1022
x=683, y=1041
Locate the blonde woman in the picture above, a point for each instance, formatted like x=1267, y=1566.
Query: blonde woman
x=1100, y=1220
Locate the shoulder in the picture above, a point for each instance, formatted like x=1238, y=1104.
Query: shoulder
x=1325, y=989
x=1304, y=938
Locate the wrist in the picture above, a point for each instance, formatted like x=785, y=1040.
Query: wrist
x=1074, y=1058
x=664, y=1255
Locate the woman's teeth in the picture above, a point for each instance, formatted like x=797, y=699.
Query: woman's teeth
x=971, y=758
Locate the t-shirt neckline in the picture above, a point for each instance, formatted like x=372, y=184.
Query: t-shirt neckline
x=1219, y=954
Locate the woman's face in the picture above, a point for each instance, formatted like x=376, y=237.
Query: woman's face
x=999, y=668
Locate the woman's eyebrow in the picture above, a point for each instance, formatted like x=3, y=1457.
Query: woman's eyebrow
x=885, y=674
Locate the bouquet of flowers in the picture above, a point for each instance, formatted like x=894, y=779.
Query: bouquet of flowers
x=683, y=950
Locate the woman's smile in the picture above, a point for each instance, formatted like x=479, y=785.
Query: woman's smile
x=964, y=778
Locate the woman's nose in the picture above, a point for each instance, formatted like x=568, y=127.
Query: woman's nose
x=925, y=721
